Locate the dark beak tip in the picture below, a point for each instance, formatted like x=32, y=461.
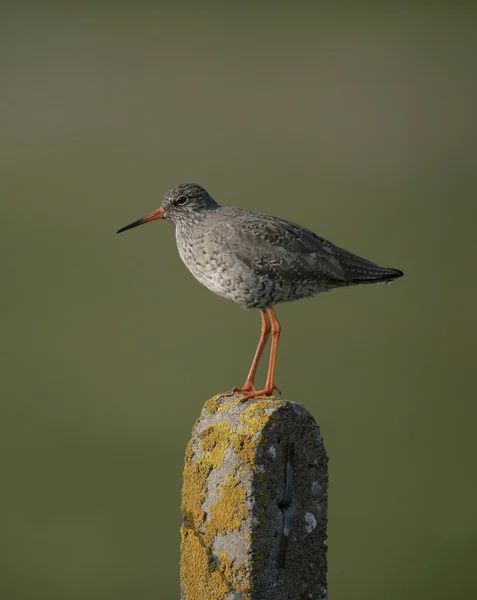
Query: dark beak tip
x=131, y=225
x=156, y=214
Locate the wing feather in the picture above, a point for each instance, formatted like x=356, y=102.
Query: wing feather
x=287, y=252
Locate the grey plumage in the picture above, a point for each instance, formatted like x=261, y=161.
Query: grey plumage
x=258, y=260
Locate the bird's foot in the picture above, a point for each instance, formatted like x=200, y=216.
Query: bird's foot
x=247, y=387
x=268, y=391
x=250, y=391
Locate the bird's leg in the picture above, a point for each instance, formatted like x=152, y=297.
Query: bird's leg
x=270, y=386
x=264, y=333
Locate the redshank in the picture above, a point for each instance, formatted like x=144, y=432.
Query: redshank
x=257, y=261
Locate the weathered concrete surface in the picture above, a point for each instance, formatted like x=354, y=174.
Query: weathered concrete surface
x=254, y=503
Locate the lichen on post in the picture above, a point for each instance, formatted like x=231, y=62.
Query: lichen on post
x=254, y=501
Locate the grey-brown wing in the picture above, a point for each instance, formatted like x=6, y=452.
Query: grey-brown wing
x=287, y=252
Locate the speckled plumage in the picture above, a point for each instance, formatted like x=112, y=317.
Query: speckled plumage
x=258, y=260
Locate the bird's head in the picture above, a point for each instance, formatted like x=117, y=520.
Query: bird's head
x=181, y=204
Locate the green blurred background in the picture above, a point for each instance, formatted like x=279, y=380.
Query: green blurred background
x=357, y=122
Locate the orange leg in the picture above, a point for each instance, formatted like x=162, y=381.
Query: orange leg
x=264, y=333
x=270, y=386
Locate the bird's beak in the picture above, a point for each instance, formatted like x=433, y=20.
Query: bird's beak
x=155, y=214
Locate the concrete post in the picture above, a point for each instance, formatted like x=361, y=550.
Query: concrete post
x=254, y=502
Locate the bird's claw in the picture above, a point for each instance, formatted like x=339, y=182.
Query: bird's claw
x=259, y=393
x=248, y=387
x=250, y=391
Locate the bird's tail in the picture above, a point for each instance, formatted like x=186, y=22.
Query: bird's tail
x=360, y=270
x=375, y=274
x=388, y=276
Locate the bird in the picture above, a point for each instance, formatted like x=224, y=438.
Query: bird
x=257, y=261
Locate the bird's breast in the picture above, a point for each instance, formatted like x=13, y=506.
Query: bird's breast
x=204, y=262
x=216, y=267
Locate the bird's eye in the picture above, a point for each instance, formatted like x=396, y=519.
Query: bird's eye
x=181, y=200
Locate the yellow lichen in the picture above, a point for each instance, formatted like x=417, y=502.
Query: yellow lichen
x=217, y=405
x=255, y=416
x=213, y=403
x=193, y=492
x=237, y=576
x=201, y=576
x=245, y=445
x=198, y=578
x=229, y=510
x=228, y=405
x=253, y=420
x=215, y=440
